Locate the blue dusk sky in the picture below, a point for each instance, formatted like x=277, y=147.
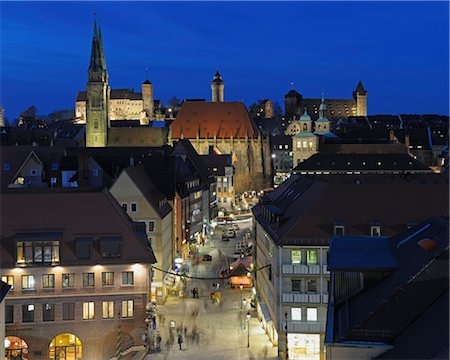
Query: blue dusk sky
x=400, y=51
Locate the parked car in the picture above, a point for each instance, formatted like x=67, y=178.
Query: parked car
x=236, y=227
x=231, y=233
x=207, y=257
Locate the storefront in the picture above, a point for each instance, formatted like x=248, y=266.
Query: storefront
x=304, y=346
x=15, y=348
x=65, y=347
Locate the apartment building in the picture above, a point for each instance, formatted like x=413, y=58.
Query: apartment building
x=80, y=271
x=293, y=226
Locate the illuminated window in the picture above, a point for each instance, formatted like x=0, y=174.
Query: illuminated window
x=108, y=309
x=127, y=308
x=108, y=279
x=311, y=314
x=9, y=279
x=27, y=282
x=305, y=144
x=311, y=257
x=296, y=256
x=296, y=314
x=37, y=252
x=68, y=280
x=127, y=278
x=299, y=144
x=88, y=310
x=88, y=279
x=48, y=281
x=375, y=230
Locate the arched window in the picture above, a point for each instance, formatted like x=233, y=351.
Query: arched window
x=16, y=348
x=65, y=347
x=305, y=127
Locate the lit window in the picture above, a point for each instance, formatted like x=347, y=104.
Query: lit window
x=68, y=280
x=108, y=309
x=108, y=279
x=127, y=278
x=311, y=257
x=27, y=282
x=127, y=308
x=296, y=256
x=375, y=230
x=48, y=281
x=88, y=310
x=37, y=252
x=311, y=314
x=296, y=314
x=299, y=144
x=9, y=279
x=88, y=279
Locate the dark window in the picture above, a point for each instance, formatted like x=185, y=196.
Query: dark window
x=311, y=286
x=9, y=314
x=151, y=226
x=48, y=281
x=69, y=311
x=88, y=279
x=28, y=313
x=125, y=207
x=133, y=207
x=110, y=248
x=68, y=280
x=269, y=272
x=83, y=249
x=6, y=166
x=296, y=285
x=339, y=230
x=127, y=278
x=48, y=312
x=107, y=278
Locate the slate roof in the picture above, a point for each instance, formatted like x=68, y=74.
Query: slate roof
x=209, y=119
x=308, y=206
x=71, y=213
x=148, y=189
x=362, y=163
x=395, y=309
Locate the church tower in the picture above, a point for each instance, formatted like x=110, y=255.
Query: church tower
x=304, y=144
x=322, y=124
x=360, y=97
x=98, y=92
x=217, y=86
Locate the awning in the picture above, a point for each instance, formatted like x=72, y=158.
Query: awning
x=38, y=236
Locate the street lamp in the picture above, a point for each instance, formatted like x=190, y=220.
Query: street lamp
x=248, y=328
x=241, y=286
x=244, y=302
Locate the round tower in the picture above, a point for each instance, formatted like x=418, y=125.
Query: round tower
x=147, y=99
x=217, y=86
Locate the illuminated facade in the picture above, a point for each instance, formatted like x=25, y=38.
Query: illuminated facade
x=74, y=280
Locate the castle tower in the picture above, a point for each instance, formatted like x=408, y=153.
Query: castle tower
x=322, y=124
x=217, y=86
x=147, y=98
x=292, y=104
x=360, y=96
x=98, y=92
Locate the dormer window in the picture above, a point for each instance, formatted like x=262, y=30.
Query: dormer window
x=375, y=229
x=339, y=229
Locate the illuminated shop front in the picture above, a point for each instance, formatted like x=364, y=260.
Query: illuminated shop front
x=304, y=346
x=15, y=348
x=65, y=347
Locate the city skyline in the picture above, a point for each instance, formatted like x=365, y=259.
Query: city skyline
x=321, y=47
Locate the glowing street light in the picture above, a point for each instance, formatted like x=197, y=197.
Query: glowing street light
x=241, y=287
x=248, y=328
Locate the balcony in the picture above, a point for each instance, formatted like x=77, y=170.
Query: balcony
x=325, y=270
x=314, y=327
x=291, y=269
x=301, y=298
x=325, y=299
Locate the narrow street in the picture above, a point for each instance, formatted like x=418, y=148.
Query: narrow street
x=222, y=331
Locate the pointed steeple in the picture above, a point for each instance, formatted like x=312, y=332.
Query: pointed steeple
x=360, y=89
x=217, y=78
x=322, y=108
x=97, y=55
x=102, y=52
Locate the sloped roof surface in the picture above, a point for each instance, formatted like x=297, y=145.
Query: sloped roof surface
x=209, y=119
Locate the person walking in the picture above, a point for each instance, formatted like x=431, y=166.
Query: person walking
x=180, y=340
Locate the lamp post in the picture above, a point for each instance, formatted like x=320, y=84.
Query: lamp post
x=248, y=328
x=286, y=328
x=244, y=303
x=241, y=287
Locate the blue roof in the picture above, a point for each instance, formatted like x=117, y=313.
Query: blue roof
x=360, y=253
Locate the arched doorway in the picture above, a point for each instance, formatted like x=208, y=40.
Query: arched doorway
x=65, y=347
x=16, y=348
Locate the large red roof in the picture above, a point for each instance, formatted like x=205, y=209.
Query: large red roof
x=209, y=119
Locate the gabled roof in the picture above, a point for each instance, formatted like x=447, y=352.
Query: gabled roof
x=148, y=189
x=213, y=119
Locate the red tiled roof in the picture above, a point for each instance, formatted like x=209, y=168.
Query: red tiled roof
x=209, y=119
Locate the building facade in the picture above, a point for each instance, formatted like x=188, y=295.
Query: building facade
x=80, y=273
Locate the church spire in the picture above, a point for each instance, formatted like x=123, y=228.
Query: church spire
x=102, y=52
x=97, y=55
